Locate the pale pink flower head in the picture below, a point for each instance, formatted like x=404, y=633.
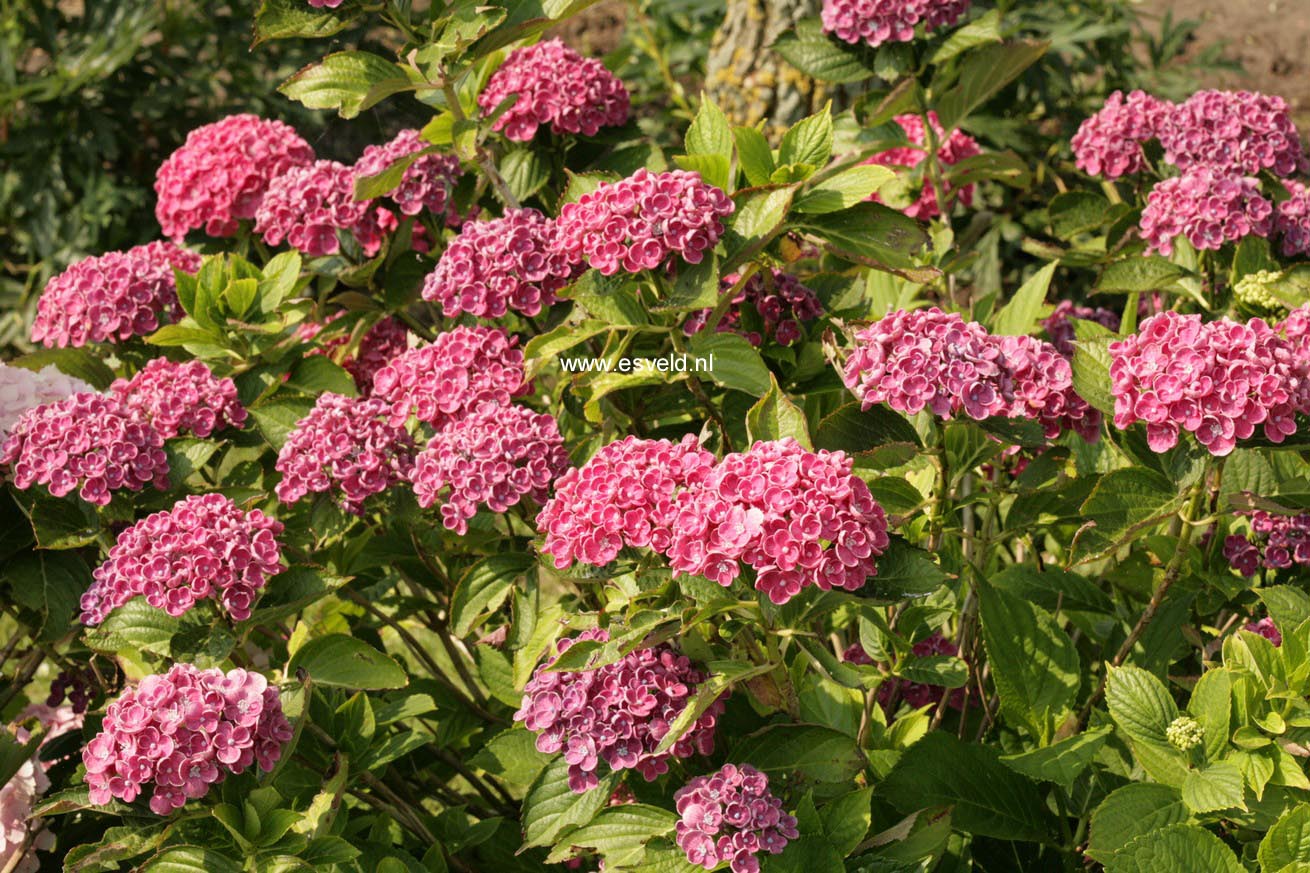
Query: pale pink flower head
x=179, y=733
x=87, y=443
x=1109, y=143
x=623, y=496
x=345, y=445
x=1208, y=207
x=428, y=182
x=307, y=206
x=510, y=263
x=205, y=547
x=731, y=817
x=554, y=85
x=875, y=22
x=22, y=389
x=645, y=221
x=950, y=151
x=219, y=177
x=616, y=714
x=1240, y=133
x=462, y=371
x=113, y=297
x=181, y=398
x=492, y=458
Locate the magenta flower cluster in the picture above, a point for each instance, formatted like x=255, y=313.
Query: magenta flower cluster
x=89, y=443
x=219, y=177
x=181, y=398
x=326, y=4
x=640, y=222
x=427, y=183
x=1266, y=628
x=493, y=457
x=346, y=445
x=797, y=517
x=1059, y=324
x=878, y=21
x=1207, y=206
x=1219, y=380
x=623, y=496
x=779, y=299
x=459, y=372
x=618, y=713
x=928, y=359
x=730, y=816
x=915, y=694
x=382, y=343
x=514, y=262
x=112, y=297
x=1241, y=132
x=950, y=151
x=553, y=85
x=1292, y=220
x=204, y=547
x=307, y=206
x=1276, y=542
x=1109, y=143
x=182, y=732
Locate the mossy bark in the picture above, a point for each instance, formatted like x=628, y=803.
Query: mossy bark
x=752, y=83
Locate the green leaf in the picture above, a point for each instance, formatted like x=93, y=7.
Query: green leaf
x=178, y=335
x=1121, y=507
x=1288, y=841
x=1211, y=705
x=1288, y=606
x=816, y=753
x=62, y=522
x=315, y=374
x=904, y=571
x=286, y=19
x=277, y=418
x=808, y=141
x=871, y=234
x=1216, y=787
x=759, y=217
x=1179, y=848
x=734, y=362
x=846, y=820
x=1075, y=212
x=484, y=587
x=190, y=859
x=856, y=431
x=1140, y=705
x=807, y=48
x=709, y=133
x=345, y=662
x=981, y=31
x=551, y=806
x=1139, y=274
x=78, y=363
x=117, y=844
x=1034, y=663
x=1061, y=762
x=1131, y=811
x=714, y=169
x=512, y=755
x=754, y=155
x=983, y=74
x=345, y=81
x=847, y=188
x=134, y=625
x=722, y=675
x=526, y=171
x=986, y=797
x=1019, y=316
x=775, y=417
x=619, y=834
x=1091, y=373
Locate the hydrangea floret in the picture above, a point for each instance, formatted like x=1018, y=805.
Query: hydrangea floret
x=554, y=85
x=1109, y=143
x=875, y=22
x=181, y=398
x=730, y=816
x=1276, y=542
x=428, y=182
x=384, y=341
x=307, y=206
x=1207, y=206
x=780, y=300
x=1236, y=132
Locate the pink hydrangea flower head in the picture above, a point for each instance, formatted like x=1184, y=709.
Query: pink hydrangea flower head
x=1206, y=206
x=878, y=21
x=494, y=457
x=554, y=85
x=928, y=359
x=181, y=398
x=428, y=182
x=219, y=176
x=1266, y=628
x=1276, y=542
x=515, y=262
x=915, y=694
x=383, y=342
x=89, y=443
x=1237, y=133
x=306, y=206
x=176, y=734
x=112, y=297
x=950, y=150
x=345, y=445
x=617, y=713
x=779, y=300
x=1059, y=324
x=1292, y=220
x=461, y=371
x=623, y=496
x=1109, y=143
x=1219, y=380
x=18, y=845
x=799, y=518
x=204, y=547
x=325, y=4
x=730, y=816
x=22, y=389
x=643, y=221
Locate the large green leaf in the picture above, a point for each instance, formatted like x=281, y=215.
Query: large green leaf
x=551, y=806
x=618, y=834
x=484, y=587
x=134, y=625
x=1061, y=762
x=733, y=362
x=343, y=661
x=984, y=74
x=870, y=233
x=775, y=417
x=1122, y=506
x=285, y=19
x=1288, y=841
x=1135, y=275
x=1142, y=708
x=812, y=752
x=348, y=82
x=1128, y=812
x=1217, y=787
x=1019, y=316
x=819, y=56
x=190, y=859
x=1179, y=848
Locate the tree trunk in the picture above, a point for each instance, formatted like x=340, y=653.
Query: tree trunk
x=750, y=82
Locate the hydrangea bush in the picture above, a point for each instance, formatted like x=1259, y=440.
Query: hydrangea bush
x=567, y=482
